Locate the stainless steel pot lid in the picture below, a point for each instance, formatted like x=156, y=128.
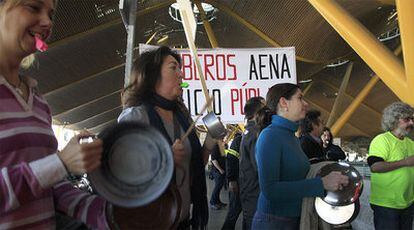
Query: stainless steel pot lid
x=137, y=165
x=334, y=214
x=348, y=194
x=214, y=126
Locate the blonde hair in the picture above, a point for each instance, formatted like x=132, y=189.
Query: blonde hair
x=13, y=3
x=28, y=61
x=7, y=5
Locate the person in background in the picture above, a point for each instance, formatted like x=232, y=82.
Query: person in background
x=218, y=171
x=232, y=175
x=391, y=159
x=282, y=165
x=333, y=152
x=154, y=97
x=248, y=181
x=32, y=185
x=311, y=130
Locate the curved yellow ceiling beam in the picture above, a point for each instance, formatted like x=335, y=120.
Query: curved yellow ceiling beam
x=405, y=11
x=340, y=123
x=388, y=2
x=376, y=55
x=207, y=26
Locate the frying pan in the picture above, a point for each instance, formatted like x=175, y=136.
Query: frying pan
x=137, y=165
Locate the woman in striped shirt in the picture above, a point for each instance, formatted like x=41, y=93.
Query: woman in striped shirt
x=32, y=172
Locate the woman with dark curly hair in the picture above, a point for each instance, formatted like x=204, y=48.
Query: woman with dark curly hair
x=154, y=97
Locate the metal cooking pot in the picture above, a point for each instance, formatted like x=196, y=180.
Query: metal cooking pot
x=137, y=165
x=350, y=193
x=135, y=176
x=214, y=126
x=336, y=214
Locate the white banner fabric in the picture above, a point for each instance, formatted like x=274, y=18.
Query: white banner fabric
x=233, y=76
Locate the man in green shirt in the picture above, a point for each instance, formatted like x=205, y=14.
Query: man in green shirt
x=391, y=158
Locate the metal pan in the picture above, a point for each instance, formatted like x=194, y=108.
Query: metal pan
x=137, y=165
x=336, y=214
x=350, y=193
x=214, y=126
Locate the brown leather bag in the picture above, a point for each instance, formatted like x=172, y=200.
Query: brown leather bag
x=163, y=213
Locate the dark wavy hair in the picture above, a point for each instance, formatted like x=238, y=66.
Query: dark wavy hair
x=264, y=115
x=311, y=117
x=253, y=105
x=146, y=72
x=330, y=134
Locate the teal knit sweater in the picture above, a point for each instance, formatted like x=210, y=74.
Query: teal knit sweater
x=282, y=167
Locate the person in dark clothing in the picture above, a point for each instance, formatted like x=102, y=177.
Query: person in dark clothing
x=218, y=172
x=232, y=173
x=333, y=152
x=312, y=127
x=248, y=180
x=154, y=97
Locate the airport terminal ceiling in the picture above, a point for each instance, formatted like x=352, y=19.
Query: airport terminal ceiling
x=82, y=73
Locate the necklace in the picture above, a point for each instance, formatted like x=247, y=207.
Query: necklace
x=18, y=88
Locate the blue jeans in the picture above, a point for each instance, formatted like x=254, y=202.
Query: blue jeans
x=390, y=218
x=219, y=180
x=264, y=221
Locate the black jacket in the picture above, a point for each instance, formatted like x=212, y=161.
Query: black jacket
x=198, y=187
x=232, y=161
x=312, y=149
x=248, y=178
x=334, y=152
x=216, y=155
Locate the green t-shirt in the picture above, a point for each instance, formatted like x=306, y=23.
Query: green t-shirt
x=393, y=189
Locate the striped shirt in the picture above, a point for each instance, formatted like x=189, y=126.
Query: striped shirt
x=32, y=176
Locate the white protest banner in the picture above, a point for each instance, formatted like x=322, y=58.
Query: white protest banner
x=233, y=76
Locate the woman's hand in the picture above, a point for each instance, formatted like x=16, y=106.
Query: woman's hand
x=334, y=181
x=178, y=151
x=81, y=158
x=233, y=186
x=209, y=142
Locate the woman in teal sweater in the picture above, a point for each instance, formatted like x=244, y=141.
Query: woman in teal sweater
x=282, y=165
